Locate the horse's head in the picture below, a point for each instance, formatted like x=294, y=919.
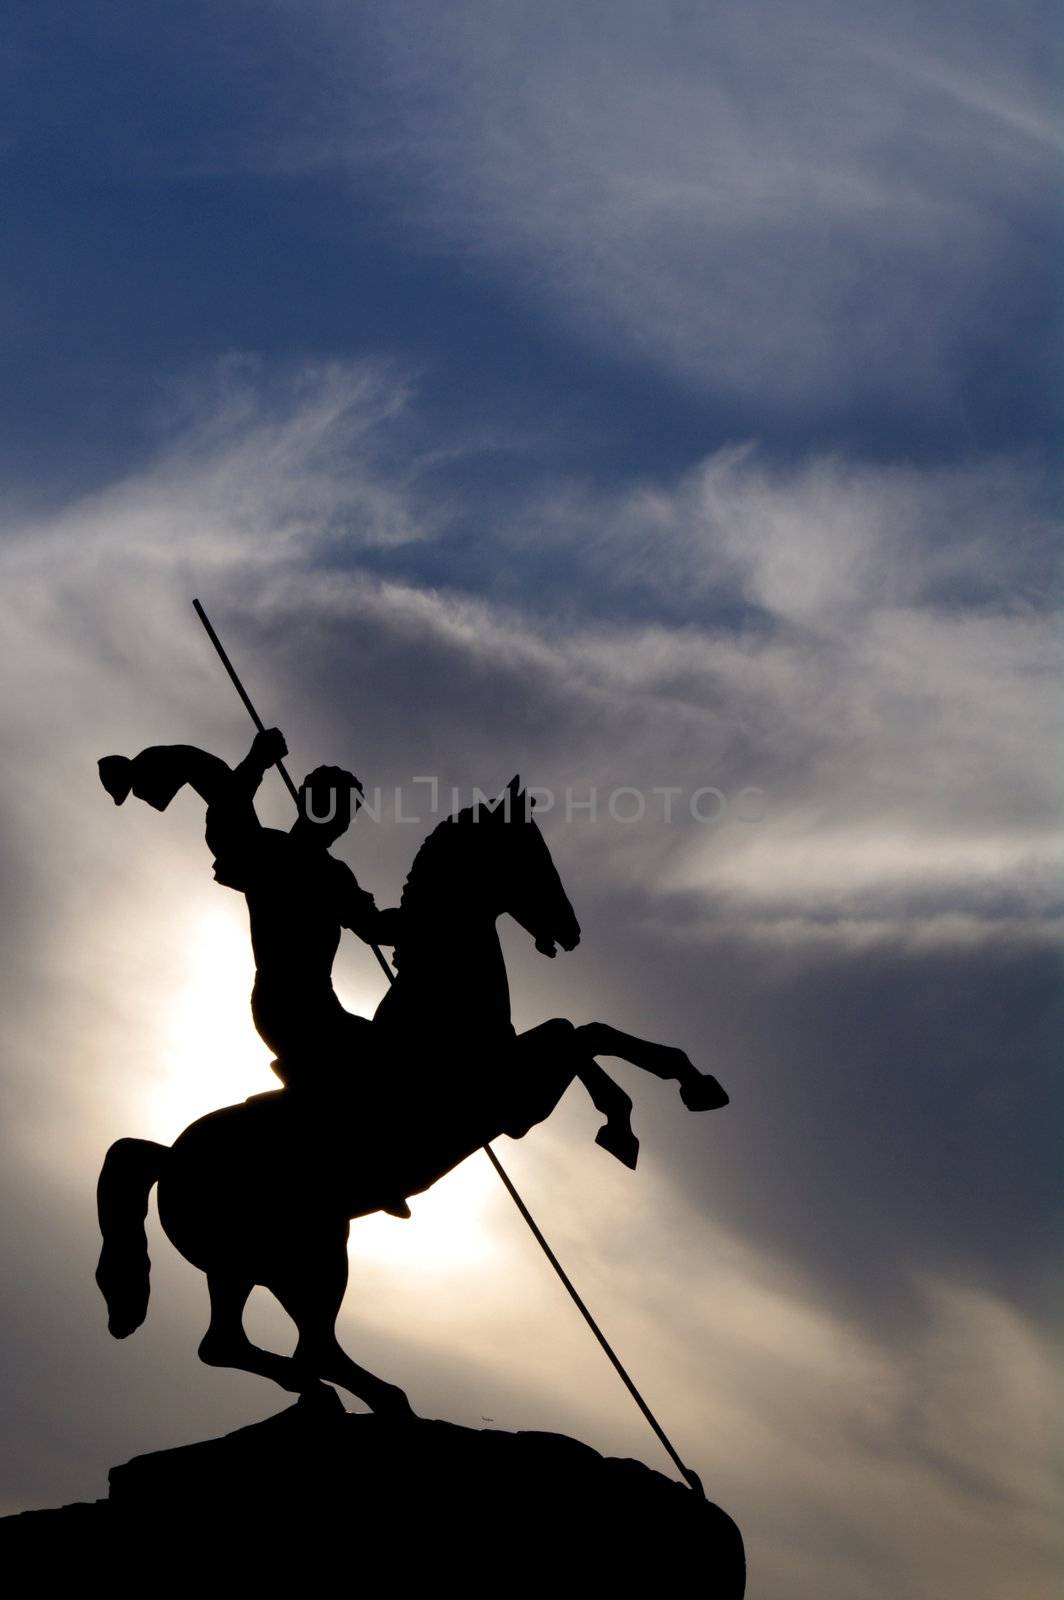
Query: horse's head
x=524, y=878
x=486, y=860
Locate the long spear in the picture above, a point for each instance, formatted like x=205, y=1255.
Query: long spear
x=690, y=1476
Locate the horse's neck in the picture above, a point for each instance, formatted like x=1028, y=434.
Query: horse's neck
x=450, y=958
x=463, y=948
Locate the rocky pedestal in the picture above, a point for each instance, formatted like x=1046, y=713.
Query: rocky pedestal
x=315, y=1495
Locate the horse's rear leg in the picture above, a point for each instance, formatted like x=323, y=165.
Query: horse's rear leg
x=225, y=1344
x=312, y=1291
x=699, y=1091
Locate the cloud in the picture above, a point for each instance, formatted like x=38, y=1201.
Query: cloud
x=871, y=652
x=809, y=209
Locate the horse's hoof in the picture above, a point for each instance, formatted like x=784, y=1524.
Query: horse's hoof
x=620, y=1142
x=703, y=1093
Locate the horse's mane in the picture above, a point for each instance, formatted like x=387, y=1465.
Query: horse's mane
x=436, y=850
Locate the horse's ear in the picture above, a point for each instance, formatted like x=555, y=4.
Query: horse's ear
x=503, y=806
x=516, y=796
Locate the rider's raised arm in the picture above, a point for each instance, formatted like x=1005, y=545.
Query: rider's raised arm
x=232, y=825
x=267, y=749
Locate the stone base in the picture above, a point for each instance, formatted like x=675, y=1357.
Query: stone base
x=315, y=1495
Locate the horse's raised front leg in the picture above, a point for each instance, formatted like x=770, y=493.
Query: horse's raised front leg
x=556, y=1054
x=699, y=1091
x=311, y=1289
x=225, y=1344
x=616, y=1134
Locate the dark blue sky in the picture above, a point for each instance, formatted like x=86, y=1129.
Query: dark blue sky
x=156, y=217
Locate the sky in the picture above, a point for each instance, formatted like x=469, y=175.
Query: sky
x=658, y=401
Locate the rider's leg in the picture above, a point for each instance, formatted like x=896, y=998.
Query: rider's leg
x=225, y=1344
x=318, y=1045
x=699, y=1091
x=311, y=1289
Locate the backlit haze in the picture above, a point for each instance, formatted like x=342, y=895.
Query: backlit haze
x=642, y=398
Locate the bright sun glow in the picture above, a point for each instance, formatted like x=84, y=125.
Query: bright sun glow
x=447, y=1231
x=211, y=1056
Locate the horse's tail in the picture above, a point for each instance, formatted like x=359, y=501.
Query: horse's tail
x=130, y=1168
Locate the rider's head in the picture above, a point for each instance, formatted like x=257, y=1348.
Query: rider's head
x=328, y=799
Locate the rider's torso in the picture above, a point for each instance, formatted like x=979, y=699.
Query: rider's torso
x=295, y=898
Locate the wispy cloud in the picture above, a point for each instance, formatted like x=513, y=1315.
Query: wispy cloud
x=796, y=206
x=871, y=649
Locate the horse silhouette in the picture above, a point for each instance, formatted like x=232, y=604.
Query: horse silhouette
x=264, y=1192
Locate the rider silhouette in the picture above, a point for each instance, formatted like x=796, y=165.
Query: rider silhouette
x=299, y=897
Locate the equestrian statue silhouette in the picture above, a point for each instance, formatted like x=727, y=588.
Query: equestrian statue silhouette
x=371, y=1111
